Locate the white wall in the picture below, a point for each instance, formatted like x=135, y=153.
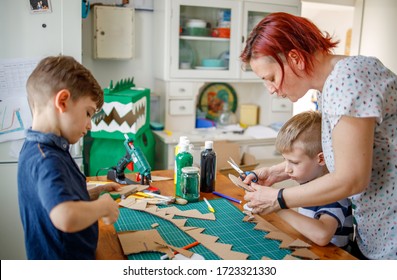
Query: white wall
x=140, y=67
x=379, y=37
x=336, y=19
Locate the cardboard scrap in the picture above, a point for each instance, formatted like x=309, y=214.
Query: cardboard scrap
x=179, y=222
x=297, y=243
x=240, y=184
x=192, y=228
x=166, y=212
x=160, y=178
x=287, y=242
x=126, y=190
x=133, y=242
x=133, y=203
x=281, y=236
x=305, y=253
x=290, y=258
x=194, y=213
x=181, y=251
x=265, y=226
x=204, y=239
x=248, y=216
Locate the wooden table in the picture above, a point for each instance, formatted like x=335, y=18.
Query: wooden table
x=109, y=247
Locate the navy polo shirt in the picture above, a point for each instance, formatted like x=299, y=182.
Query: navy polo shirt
x=48, y=176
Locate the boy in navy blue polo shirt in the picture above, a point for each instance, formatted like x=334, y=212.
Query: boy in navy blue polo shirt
x=58, y=217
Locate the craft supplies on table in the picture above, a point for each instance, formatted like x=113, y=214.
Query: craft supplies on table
x=228, y=226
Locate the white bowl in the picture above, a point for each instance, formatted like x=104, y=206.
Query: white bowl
x=196, y=23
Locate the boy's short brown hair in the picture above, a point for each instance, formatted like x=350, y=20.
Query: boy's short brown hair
x=55, y=73
x=303, y=129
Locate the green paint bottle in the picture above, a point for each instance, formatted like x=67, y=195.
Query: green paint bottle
x=183, y=159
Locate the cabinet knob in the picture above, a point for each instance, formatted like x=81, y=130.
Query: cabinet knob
x=182, y=90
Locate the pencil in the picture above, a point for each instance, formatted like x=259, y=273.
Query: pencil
x=209, y=206
x=227, y=197
x=191, y=245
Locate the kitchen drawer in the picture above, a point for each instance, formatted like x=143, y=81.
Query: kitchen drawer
x=179, y=107
x=181, y=89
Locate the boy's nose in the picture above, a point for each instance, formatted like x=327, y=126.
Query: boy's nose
x=288, y=170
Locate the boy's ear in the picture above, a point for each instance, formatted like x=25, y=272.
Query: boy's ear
x=320, y=159
x=61, y=100
x=296, y=59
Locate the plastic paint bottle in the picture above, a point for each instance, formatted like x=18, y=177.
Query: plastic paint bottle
x=182, y=139
x=183, y=159
x=208, y=168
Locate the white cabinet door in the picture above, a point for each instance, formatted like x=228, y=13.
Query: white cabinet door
x=215, y=38
x=253, y=13
x=114, y=29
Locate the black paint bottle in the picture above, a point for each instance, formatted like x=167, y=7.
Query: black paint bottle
x=208, y=168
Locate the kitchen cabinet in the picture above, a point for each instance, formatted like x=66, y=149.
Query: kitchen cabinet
x=190, y=33
x=114, y=29
x=263, y=149
x=183, y=48
x=179, y=99
x=187, y=31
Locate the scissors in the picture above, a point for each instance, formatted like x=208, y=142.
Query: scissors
x=242, y=173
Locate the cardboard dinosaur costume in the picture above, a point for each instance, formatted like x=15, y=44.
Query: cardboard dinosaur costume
x=126, y=111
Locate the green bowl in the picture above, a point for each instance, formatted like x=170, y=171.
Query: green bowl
x=197, y=31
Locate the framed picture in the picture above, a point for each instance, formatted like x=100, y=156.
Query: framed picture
x=40, y=6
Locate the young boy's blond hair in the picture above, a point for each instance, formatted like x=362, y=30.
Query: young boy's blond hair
x=302, y=130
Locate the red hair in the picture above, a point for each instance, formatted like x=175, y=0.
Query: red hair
x=279, y=33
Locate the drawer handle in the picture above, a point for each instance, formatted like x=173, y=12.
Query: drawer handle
x=182, y=90
x=182, y=108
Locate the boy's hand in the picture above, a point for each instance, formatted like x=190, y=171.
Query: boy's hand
x=111, y=209
x=111, y=186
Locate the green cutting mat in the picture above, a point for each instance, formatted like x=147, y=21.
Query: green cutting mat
x=228, y=226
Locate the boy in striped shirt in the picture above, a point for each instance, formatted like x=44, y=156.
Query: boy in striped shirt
x=299, y=141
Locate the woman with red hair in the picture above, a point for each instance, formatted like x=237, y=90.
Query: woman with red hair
x=358, y=102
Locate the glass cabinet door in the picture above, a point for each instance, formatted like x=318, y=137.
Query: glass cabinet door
x=253, y=13
x=204, y=39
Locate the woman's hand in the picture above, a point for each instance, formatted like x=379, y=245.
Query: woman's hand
x=267, y=176
x=263, y=200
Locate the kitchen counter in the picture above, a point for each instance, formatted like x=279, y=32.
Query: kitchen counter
x=214, y=134
x=258, y=141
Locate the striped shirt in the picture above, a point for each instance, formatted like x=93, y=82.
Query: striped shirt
x=342, y=212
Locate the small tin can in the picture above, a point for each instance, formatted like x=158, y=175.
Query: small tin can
x=190, y=183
